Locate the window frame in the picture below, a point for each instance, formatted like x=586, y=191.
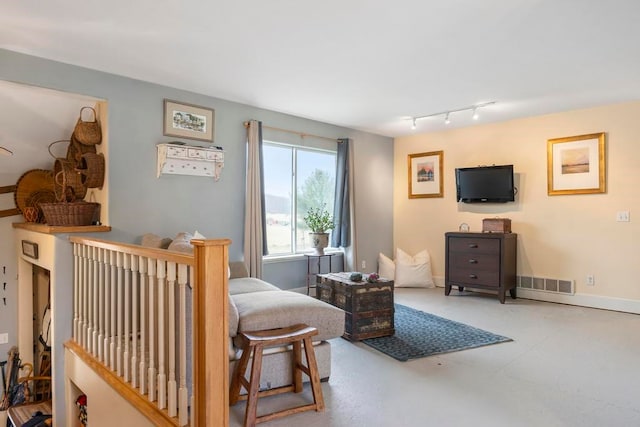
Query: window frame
x=296, y=252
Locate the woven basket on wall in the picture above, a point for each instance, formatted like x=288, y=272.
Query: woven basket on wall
x=88, y=132
x=68, y=181
x=91, y=169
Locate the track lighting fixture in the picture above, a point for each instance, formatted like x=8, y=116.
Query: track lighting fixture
x=447, y=114
x=7, y=152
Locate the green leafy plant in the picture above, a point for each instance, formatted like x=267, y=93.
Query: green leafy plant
x=319, y=220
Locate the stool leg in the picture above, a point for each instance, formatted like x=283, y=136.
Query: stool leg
x=254, y=388
x=296, y=362
x=239, y=372
x=312, y=364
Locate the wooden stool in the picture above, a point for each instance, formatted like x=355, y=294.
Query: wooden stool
x=258, y=340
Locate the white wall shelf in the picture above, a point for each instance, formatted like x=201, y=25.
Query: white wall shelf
x=177, y=159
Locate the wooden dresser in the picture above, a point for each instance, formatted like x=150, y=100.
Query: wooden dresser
x=368, y=307
x=481, y=260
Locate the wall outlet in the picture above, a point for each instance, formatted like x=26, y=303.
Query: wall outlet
x=591, y=280
x=364, y=264
x=4, y=338
x=623, y=216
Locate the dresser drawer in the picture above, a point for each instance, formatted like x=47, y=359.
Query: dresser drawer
x=470, y=277
x=477, y=261
x=474, y=245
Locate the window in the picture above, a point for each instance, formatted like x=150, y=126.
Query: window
x=295, y=179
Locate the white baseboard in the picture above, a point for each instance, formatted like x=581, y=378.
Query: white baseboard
x=583, y=300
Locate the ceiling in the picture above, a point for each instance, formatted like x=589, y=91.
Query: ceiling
x=365, y=64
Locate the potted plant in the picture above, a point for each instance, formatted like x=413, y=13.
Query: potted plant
x=319, y=222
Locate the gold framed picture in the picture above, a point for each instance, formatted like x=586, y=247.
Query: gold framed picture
x=425, y=175
x=576, y=165
x=188, y=121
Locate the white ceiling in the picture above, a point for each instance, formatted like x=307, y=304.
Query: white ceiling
x=365, y=64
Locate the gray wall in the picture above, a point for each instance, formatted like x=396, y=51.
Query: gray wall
x=140, y=202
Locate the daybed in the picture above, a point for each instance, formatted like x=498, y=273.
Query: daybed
x=257, y=305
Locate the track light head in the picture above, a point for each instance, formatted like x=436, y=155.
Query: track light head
x=413, y=125
x=446, y=119
x=475, y=113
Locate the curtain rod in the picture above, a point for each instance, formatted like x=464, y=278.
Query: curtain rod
x=301, y=134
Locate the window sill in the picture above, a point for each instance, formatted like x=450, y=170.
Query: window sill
x=273, y=259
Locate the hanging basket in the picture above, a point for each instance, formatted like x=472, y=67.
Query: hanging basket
x=89, y=132
x=70, y=214
x=91, y=169
x=68, y=184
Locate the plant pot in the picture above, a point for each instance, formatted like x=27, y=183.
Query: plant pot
x=319, y=241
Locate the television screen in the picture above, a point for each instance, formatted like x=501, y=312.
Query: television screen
x=485, y=184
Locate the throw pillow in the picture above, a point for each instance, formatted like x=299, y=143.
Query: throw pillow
x=413, y=271
x=182, y=243
x=386, y=267
x=151, y=240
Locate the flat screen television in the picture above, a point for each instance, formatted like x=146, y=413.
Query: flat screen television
x=485, y=184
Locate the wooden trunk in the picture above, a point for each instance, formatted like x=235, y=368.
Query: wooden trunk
x=368, y=306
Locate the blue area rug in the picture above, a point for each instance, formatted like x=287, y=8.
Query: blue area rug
x=419, y=334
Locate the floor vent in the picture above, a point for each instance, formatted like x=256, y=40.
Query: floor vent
x=546, y=284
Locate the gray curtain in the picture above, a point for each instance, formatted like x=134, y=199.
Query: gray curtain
x=341, y=207
x=254, y=215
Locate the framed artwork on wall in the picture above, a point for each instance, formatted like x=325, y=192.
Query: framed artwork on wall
x=576, y=165
x=188, y=121
x=425, y=175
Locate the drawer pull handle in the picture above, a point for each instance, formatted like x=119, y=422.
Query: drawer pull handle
x=473, y=245
x=473, y=276
x=473, y=261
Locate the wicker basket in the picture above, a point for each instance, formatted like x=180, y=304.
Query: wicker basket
x=88, y=132
x=74, y=213
x=91, y=169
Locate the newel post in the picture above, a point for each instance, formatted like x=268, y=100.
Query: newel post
x=210, y=333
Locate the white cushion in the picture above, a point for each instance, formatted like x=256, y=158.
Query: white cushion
x=386, y=267
x=413, y=271
x=182, y=243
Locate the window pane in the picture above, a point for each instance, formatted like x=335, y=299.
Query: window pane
x=277, y=187
x=316, y=177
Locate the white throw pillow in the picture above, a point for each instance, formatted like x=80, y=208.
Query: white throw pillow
x=182, y=243
x=413, y=271
x=386, y=267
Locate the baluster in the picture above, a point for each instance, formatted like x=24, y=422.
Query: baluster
x=171, y=304
x=120, y=311
x=183, y=398
x=127, y=313
x=83, y=296
x=76, y=292
x=162, y=376
x=95, y=291
x=135, y=309
x=143, y=325
x=107, y=307
x=151, y=370
x=101, y=304
x=113, y=332
x=89, y=298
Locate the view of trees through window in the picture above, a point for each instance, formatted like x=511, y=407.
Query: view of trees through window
x=295, y=179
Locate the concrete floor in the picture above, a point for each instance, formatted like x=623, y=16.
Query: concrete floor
x=567, y=366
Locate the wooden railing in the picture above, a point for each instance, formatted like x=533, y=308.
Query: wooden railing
x=131, y=317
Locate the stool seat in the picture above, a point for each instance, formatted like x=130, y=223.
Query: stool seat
x=253, y=343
